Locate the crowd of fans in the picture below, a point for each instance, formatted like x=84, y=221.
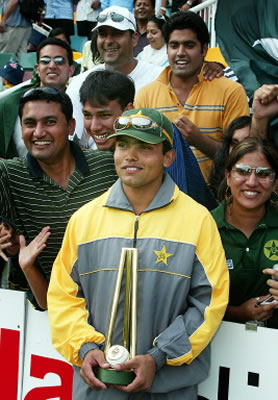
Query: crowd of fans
x=225, y=157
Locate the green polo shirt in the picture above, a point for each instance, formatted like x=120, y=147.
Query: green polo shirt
x=32, y=200
x=247, y=257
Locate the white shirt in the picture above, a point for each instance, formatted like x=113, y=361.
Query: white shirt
x=141, y=75
x=153, y=56
x=84, y=12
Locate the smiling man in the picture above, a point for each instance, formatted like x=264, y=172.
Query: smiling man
x=201, y=109
x=54, y=67
x=54, y=179
x=182, y=275
x=116, y=39
x=143, y=10
x=104, y=96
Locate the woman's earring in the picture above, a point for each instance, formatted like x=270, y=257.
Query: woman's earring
x=228, y=195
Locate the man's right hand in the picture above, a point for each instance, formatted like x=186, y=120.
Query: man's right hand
x=92, y=360
x=265, y=103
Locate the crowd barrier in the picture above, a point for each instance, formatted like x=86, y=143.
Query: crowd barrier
x=243, y=364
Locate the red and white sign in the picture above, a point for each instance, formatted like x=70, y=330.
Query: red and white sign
x=243, y=363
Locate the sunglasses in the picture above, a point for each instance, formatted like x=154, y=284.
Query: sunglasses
x=115, y=17
x=262, y=173
x=59, y=60
x=140, y=123
x=48, y=90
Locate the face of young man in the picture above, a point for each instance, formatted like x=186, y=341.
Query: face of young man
x=45, y=131
x=51, y=73
x=99, y=122
x=185, y=53
x=115, y=46
x=143, y=9
x=140, y=165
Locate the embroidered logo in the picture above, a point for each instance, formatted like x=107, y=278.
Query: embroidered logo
x=230, y=264
x=162, y=255
x=271, y=250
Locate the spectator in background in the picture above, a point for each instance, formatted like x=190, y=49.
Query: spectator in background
x=201, y=109
x=54, y=67
x=59, y=13
x=121, y=3
x=247, y=220
x=143, y=10
x=60, y=33
x=12, y=74
x=14, y=29
x=156, y=51
x=87, y=12
x=238, y=130
x=177, y=5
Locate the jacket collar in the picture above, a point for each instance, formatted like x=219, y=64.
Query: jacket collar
x=167, y=192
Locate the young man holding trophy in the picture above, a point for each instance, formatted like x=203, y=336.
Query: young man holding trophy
x=140, y=284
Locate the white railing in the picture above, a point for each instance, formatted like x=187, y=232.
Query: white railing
x=207, y=10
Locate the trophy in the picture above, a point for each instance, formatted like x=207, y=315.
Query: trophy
x=116, y=354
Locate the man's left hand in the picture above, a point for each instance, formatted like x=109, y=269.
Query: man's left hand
x=212, y=70
x=188, y=130
x=144, y=368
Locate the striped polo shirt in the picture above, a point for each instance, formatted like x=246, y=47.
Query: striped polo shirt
x=32, y=200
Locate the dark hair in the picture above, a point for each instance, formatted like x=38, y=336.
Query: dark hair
x=59, y=31
x=55, y=42
x=101, y=87
x=218, y=167
x=166, y=146
x=94, y=49
x=159, y=22
x=47, y=94
x=151, y=1
x=187, y=20
x=246, y=146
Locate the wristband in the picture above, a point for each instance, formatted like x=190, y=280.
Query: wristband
x=189, y=3
x=163, y=8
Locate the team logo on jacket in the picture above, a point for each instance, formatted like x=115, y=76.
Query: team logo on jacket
x=162, y=255
x=271, y=250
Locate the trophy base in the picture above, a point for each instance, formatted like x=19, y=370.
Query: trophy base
x=113, y=377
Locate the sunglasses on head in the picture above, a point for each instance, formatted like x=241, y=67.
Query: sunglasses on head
x=59, y=60
x=262, y=173
x=115, y=17
x=48, y=90
x=141, y=123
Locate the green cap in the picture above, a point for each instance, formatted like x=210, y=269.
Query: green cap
x=159, y=130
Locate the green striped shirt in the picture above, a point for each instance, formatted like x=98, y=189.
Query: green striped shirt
x=32, y=200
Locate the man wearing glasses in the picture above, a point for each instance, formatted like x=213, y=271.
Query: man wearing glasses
x=182, y=276
x=54, y=67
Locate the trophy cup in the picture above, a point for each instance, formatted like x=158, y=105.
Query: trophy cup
x=116, y=354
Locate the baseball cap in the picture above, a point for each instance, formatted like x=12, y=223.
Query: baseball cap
x=145, y=124
x=117, y=17
x=13, y=72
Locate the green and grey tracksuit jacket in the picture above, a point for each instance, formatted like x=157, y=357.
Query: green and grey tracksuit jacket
x=182, y=286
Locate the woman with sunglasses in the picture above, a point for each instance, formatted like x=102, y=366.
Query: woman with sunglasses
x=247, y=220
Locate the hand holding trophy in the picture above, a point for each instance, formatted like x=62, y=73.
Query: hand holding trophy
x=116, y=354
